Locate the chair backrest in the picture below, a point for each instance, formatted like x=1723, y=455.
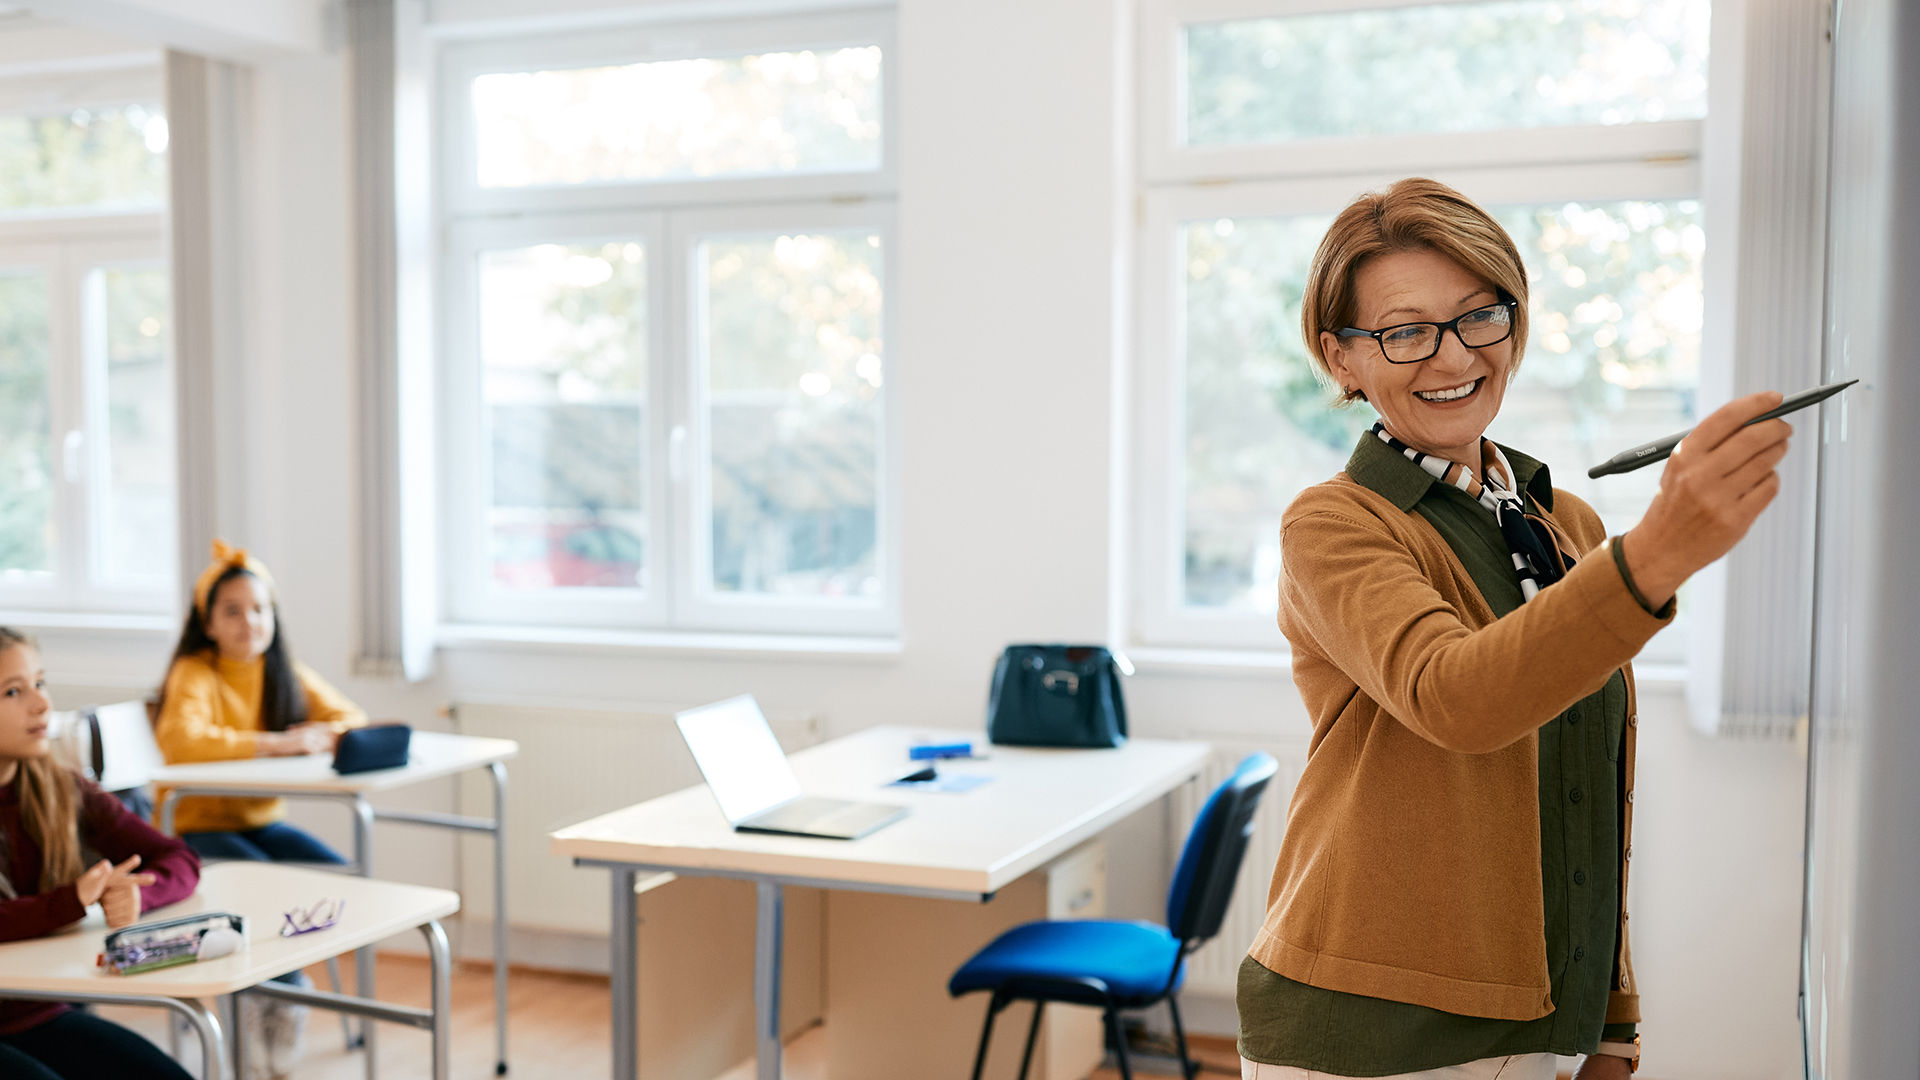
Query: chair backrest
x=110, y=744
x=1210, y=861
x=70, y=740
x=129, y=754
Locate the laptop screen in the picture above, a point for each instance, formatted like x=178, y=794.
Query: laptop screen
x=737, y=753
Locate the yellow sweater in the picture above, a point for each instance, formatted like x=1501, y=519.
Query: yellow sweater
x=211, y=712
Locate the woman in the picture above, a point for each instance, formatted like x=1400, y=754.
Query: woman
x=48, y=816
x=1449, y=901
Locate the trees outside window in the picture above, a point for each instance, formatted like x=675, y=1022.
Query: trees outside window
x=1257, y=129
x=86, y=373
x=665, y=363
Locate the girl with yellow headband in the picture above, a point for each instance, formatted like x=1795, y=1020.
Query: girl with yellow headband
x=234, y=690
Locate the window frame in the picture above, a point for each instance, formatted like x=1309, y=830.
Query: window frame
x=697, y=606
x=66, y=248
x=671, y=217
x=462, y=195
x=1181, y=184
x=467, y=469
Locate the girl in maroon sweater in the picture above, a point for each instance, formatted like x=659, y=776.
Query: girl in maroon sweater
x=47, y=814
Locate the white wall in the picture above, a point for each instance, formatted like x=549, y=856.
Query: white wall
x=1013, y=116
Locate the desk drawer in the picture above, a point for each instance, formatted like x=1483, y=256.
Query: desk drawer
x=1077, y=883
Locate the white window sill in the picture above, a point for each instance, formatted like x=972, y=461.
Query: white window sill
x=1174, y=660
x=94, y=621
x=489, y=637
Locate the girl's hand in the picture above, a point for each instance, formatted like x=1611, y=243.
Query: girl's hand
x=1715, y=484
x=296, y=740
x=121, y=901
x=103, y=879
x=1603, y=1067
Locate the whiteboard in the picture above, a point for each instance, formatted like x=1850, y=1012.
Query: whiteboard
x=1860, y=974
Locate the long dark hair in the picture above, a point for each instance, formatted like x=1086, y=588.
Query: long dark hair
x=283, y=702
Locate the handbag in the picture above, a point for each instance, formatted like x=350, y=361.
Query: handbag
x=363, y=749
x=1058, y=695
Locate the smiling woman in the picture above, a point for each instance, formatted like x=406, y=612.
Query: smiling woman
x=1462, y=636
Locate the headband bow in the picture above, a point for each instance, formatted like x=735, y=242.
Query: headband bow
x=226, y=558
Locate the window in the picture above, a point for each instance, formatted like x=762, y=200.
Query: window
x=1576, y=122
x=664, y=371
x=86, y=372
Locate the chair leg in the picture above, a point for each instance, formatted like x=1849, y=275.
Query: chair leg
x=986, y=1035
x=1119, y=1043
x=1033, y=1032
x=1189, y=1068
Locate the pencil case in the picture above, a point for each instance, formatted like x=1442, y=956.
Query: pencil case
x=150, y=946
x=381, y=746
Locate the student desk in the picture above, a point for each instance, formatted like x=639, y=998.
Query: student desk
x=431, y=755
x=62, y=967
x=1039, y=805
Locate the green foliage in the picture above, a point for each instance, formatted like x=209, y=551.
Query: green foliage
x=1446, y=68
x=83, y=159
x=26, y=469
x=677, y=119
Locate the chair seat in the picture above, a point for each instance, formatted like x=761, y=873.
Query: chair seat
x=1131, y=958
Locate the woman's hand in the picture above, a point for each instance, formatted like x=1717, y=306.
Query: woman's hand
x=1603, y=1067
x=296, y=740
x=115, y=888
x=1716, y=483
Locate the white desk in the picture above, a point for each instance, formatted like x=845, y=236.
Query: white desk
x=1039, y=805
x=431, y=755
x=62, y=967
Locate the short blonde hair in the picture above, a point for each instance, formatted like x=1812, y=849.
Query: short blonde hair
x=1413, y=214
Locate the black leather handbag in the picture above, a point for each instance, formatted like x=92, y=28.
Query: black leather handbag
x=1058, y=695
x=379, y=746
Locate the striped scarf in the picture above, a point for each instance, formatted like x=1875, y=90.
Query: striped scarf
x=1538, y=561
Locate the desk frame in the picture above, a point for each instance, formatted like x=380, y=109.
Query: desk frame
x=769, y=910
x=214, y=1064
x=364, y=815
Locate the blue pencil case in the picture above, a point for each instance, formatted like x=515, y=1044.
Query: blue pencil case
x=380, y=746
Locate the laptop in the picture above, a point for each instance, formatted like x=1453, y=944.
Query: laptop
x=755, y=787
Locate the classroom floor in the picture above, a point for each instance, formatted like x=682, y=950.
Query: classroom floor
x=559, y=1031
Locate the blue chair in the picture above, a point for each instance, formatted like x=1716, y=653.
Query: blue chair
x=1115, y=965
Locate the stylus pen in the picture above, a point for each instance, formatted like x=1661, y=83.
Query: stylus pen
x=1658, y=449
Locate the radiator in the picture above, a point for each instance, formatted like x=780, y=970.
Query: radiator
x=574, y=764
x=1214, y=968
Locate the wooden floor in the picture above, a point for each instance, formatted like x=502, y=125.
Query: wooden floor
x=559, y=1031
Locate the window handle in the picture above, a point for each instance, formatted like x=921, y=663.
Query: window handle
x=677, y=454
x=71, y=449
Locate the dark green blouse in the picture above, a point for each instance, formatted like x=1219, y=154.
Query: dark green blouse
x=1283, y=1022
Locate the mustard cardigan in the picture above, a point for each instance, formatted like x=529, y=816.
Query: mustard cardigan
x=1410, y=869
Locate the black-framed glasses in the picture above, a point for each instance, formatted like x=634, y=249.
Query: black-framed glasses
x=1410, y=343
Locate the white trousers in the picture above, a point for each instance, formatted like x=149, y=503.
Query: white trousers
x=1517, y=1067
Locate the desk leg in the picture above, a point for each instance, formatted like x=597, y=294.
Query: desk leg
x=623, y=980
x=230, y=1007
x=441, y=966
x=766, y=980
x=499, y=770
x=363, y=958
x=207, y=1026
